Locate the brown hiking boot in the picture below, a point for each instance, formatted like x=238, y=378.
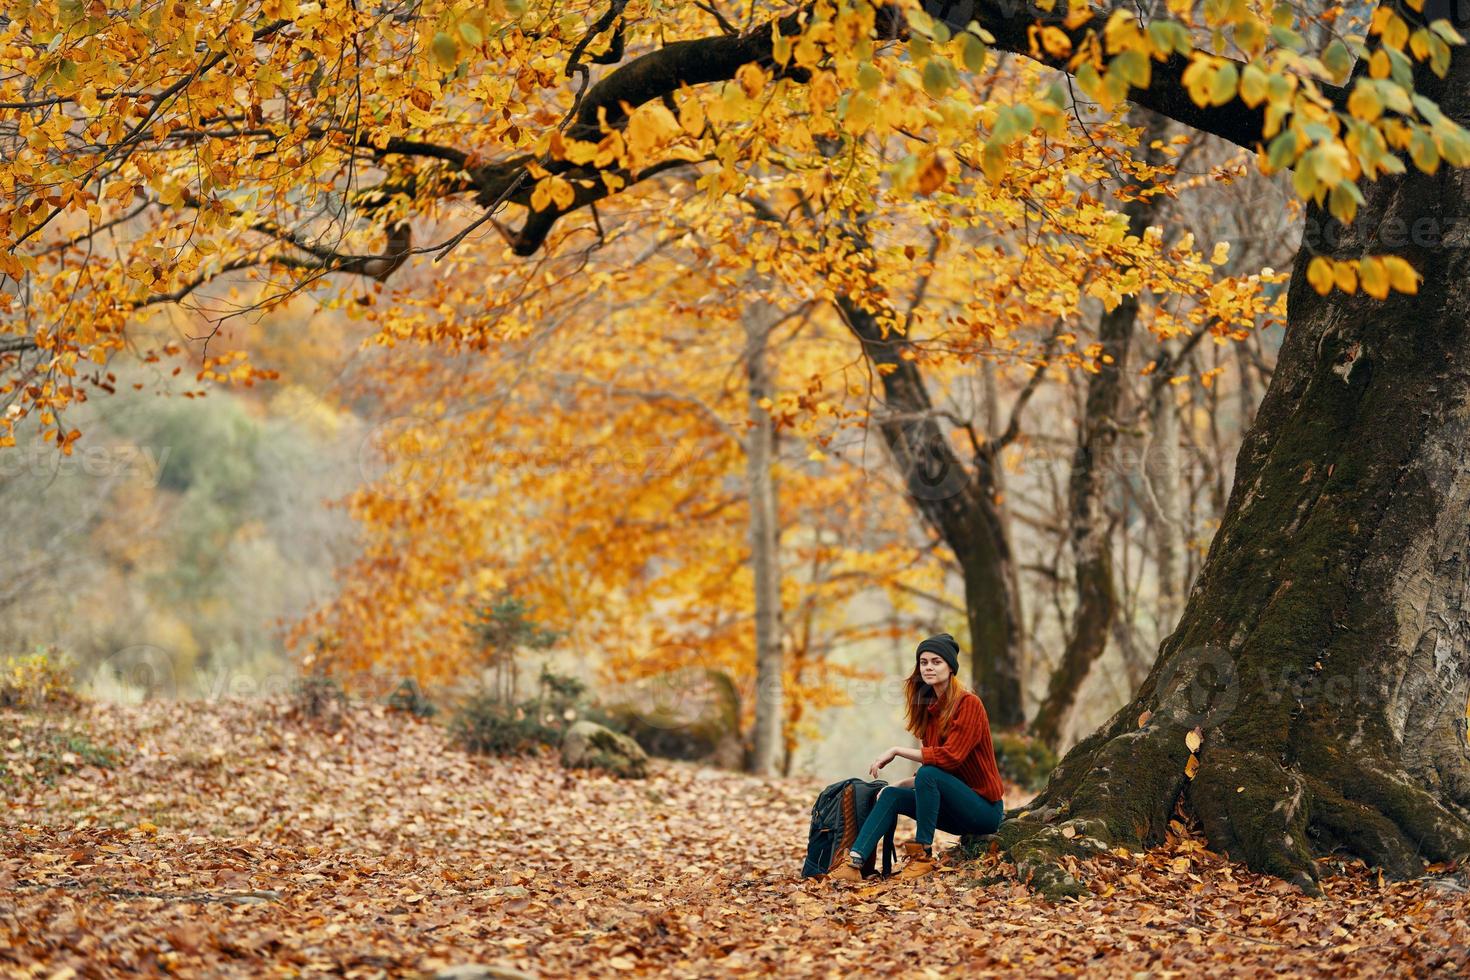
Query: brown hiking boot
x=846, y=871
x=920, y=863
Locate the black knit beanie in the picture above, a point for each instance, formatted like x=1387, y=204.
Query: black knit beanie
x=944, y=645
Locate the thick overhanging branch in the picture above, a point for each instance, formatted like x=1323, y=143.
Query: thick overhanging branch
x=1010, y=22
x=659, y=74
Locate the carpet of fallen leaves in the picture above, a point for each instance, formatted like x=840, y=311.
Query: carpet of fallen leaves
x=231, y=838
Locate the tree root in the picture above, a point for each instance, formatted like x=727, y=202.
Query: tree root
x=1252, y=808
x=1275, y=819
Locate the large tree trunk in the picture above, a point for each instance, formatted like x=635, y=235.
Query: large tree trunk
x=770, y=713
x=1092, y=550
x=959, y=503
x=1325, y=649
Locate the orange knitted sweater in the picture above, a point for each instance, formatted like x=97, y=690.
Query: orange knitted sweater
x=965, y=749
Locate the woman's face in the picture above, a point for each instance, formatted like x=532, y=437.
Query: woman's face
x=932, y=668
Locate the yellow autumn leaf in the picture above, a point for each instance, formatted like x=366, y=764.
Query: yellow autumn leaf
x=932, y=174
x=553, y=191
x=650, y=127
x=1401, y=275
x=1319, y=275
x=1364, y=102
x=1253, y=85
x=1198, y=78
x=691, y=114
x=861, y=113
x=1373, y=277
x=751, y=78
x=1056, y=42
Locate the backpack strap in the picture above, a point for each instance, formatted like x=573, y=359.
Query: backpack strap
x=888, y=854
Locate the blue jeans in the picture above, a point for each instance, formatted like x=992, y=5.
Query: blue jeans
x=938, y=799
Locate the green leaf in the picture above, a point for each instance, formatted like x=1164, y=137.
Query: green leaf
x=1287, y=38
x=445, y=51
x=1304, y=178
x=1087, y=79
x=974, y=54
x=1282, y=151
x=1423, y=151
x=471, y=34
x=1400, y=67
x=1429, y=110
x=1004, y=128
x=1159, y=33
x=1392, y=164
x=1454, y=146
x=938, y=77
x=1394, y=96
x=1278, y=89
x=1337, y=60
x=1316, y=132
x=1344, y=200
x=1132, y=67
x=1439, y=56
x=1225, y=85
x=1445, y=30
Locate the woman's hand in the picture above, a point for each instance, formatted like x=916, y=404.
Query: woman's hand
x=888, y=756
x=904, y=783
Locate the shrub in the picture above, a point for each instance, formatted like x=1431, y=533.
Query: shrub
x=319, y=698
x=488, y=723
x=409, y=697
x=484, y=723
x=38, y=680
x=1023, y=760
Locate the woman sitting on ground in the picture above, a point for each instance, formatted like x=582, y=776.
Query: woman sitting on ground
x=957, y=787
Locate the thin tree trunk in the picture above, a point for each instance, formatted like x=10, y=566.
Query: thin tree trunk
x=1162, y=483
x=993, y=424
x=959, y=503
x=1097, y=596
x=769, y=742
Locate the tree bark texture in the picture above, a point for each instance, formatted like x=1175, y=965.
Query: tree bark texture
x=1325, y=648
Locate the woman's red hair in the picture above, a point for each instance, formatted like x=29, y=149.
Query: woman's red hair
x=918, y=695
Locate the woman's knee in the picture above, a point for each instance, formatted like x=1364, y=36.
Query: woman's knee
x=927, y=773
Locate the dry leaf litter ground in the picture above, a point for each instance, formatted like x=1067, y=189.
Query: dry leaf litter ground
x=229, y=838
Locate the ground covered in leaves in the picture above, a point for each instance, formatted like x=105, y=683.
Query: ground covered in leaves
x=230, y=838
